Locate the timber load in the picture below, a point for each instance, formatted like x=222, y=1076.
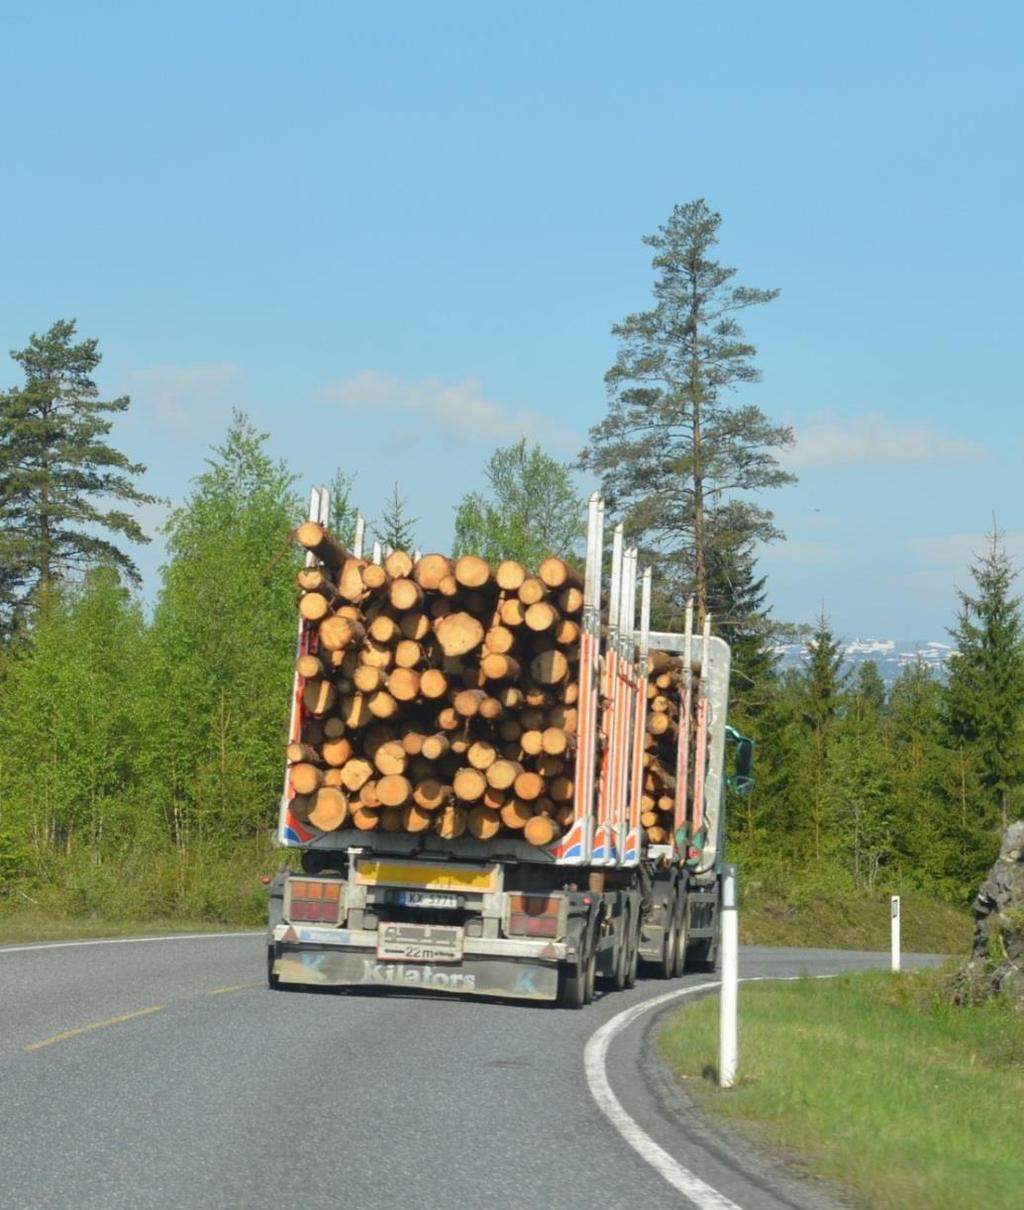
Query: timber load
x=436, y=694
x=661, y=747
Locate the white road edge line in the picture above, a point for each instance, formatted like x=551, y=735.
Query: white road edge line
x=63, y=945
x=686, y=1182
x=594, y=1055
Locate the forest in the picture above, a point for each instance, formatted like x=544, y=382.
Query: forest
x=142, y=728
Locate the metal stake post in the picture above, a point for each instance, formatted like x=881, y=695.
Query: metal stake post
x=728, y=1044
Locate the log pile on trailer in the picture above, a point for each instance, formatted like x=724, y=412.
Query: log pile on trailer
x=661, y=747
x=435, y=694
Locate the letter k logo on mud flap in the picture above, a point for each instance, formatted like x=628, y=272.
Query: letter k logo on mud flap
x=526, y=984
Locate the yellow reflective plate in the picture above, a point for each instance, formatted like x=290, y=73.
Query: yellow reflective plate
x=427, y=875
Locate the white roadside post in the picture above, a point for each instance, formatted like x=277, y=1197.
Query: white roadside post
x=727, y=1043
x=894, y=903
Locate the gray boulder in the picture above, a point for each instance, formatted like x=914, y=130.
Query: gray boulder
x=996, y=964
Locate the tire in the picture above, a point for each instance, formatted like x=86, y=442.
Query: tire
x=665, y=965
x=703, y=956
x=622, y=951
x=682, y=936
x=573, y=990
x=273, y=982
x=633, y=961
x=590, y=967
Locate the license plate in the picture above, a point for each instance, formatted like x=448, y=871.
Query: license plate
x=427, y=899
x=402, y=942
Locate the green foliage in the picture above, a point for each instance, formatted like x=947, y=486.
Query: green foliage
x=677, y=455
x=982, y=703
x=221, y=647
x=69, y=730
x=532, y=509
x=342, y=521
x=395, y=528
x=58, y=476
x=875, y=1081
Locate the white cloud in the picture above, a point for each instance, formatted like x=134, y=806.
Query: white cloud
x=185, y=399
x=459, y=409
x=872, y=440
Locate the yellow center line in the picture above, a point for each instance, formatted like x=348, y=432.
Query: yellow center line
x=85, y=1029
x=240, y=987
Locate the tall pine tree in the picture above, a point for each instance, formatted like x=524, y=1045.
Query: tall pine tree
x=58, y=475
x=677, y=455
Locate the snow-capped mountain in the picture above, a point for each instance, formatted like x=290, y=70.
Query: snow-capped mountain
x=890, y=655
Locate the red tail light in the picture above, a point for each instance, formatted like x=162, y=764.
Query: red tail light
x=534, y=916
x=312, y=901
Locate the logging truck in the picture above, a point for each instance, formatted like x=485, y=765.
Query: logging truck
x=499, y=782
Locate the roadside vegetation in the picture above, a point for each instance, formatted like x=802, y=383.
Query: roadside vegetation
x=854, y=920
x=872, y=1080
x=141, y=744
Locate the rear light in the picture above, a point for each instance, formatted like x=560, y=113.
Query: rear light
x=266, y=879
x=534, y=916
x=312, y=901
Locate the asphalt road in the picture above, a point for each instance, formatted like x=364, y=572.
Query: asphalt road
x=165, y=1074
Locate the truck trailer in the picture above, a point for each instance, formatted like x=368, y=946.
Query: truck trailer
x=508, y=918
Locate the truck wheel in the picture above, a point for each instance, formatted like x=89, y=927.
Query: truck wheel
x=622, y=950
x=574, y=976
x=590, y=966
x=273, y=982
x=703, y=956
x=682, y=936
x=633, y=959
x=665, y=966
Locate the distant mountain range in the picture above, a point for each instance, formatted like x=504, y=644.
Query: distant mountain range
x=890, y=655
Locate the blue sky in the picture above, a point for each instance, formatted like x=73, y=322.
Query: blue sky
x=399, y=235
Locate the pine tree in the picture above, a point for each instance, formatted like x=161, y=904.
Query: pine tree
x=737, y=600
x=860, y=767
x=823, y=682
x=985, y=690
x=532, y=509
x=343, y=511
x=58, y=475
x=675, y=454
x=395, y=529
x=924, y=826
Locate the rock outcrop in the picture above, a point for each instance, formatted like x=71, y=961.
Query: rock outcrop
x=996, y=964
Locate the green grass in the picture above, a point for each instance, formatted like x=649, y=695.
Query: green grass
x=861, y=921
x=872, y=1080
x=136, y=892
x=29, y=926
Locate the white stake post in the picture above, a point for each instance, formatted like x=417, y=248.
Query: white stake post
x=895, y=908
x=727, y=1044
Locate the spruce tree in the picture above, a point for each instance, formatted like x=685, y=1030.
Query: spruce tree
x=985, y=690
x=676, y=453
x=924, y=825
x=58, y=475
x=823, y=682
x=737, y=601
x=531, y=510
x=395, y=528
x=343, y=512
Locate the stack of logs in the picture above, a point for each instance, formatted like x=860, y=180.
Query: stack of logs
x=437, y=695
x=657, y=804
